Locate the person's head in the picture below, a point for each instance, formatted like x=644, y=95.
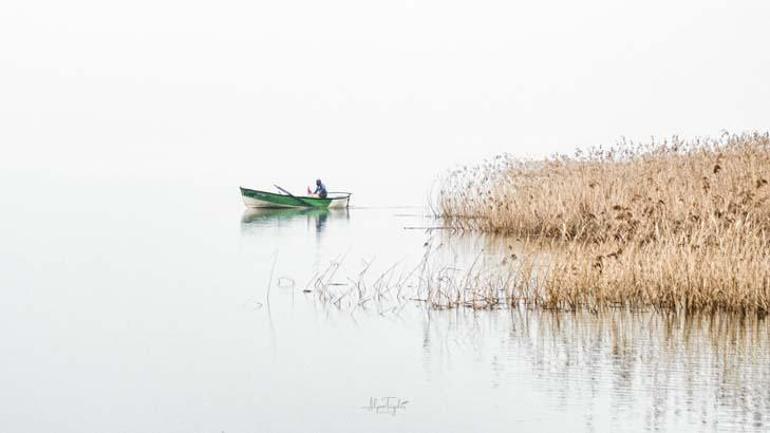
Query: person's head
x=318, y=182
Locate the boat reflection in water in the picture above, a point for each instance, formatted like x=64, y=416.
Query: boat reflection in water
x=254, y=219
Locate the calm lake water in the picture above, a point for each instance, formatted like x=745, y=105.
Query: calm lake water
x=138, y=307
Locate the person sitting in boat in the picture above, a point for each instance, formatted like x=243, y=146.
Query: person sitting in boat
x=320, y=189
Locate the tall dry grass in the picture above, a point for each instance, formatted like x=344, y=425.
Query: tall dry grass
x=677, y=224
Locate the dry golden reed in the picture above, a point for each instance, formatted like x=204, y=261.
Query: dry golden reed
x=677, y=224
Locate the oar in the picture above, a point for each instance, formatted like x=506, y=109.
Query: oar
x=292, y=196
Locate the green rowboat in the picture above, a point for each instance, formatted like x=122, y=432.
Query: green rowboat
x=253, y=198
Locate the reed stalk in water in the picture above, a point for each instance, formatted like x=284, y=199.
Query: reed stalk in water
x=678, y=224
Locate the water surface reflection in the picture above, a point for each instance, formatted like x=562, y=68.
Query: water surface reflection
x=143, y=322
x=619, y=370
x=254, y=218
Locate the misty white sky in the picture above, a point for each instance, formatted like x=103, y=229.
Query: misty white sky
x=374, y=96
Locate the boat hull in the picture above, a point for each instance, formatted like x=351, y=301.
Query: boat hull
x=263, y=199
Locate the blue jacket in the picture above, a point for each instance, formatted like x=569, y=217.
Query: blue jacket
x=320, y=190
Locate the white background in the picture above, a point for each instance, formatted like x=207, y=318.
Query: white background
x=377, y=97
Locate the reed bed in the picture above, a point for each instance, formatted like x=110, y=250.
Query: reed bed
x=675, y=224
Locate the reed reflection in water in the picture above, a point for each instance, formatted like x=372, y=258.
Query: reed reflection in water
x=620, y=369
